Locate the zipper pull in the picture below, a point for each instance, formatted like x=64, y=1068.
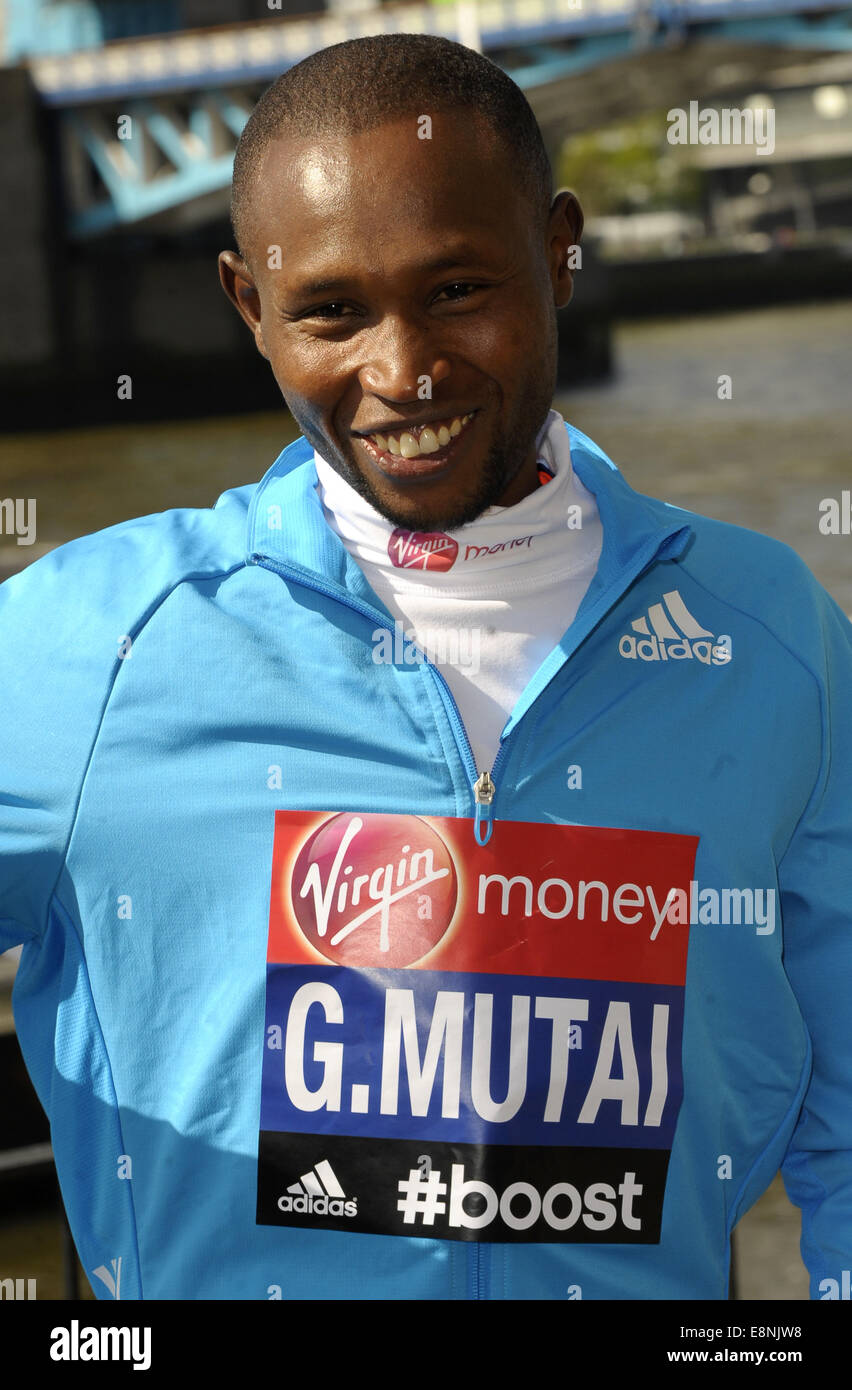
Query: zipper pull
x=483, y=795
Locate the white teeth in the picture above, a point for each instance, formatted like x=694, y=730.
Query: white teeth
x=409, y=445
x=428, y=442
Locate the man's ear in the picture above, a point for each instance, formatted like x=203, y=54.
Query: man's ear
x=239, y=286
x=564, y=231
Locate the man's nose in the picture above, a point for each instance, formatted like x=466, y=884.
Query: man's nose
x=402, y=363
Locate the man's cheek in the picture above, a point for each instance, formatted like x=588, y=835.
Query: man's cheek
x=308, y=415
x=505, y=342
x=296, y=383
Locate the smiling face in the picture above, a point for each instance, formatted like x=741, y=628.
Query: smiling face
x=411, y=326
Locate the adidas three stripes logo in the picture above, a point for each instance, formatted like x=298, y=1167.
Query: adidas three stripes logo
x=318, y=1193
x=670, y=632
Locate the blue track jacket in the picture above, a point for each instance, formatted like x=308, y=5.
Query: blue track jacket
x=313, y=1018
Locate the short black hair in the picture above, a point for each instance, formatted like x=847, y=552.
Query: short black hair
x=363, y=83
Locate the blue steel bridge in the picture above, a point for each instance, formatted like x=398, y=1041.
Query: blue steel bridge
x=582, y=64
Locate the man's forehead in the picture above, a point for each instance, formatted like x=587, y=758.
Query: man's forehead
x=316, y=169
x=384, y=195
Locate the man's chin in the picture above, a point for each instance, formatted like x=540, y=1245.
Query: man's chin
x=420, y=515
x=404, y=508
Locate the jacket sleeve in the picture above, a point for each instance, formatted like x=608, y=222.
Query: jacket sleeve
x=57, y=657
x=815, y=879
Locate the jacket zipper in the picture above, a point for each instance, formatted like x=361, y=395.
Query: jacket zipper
x=482, y=784
x=484, y=787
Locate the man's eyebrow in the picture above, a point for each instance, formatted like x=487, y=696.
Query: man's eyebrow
x=322, y=286
x=459, y=256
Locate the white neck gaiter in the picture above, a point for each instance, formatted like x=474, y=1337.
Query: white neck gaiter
x=489, y=601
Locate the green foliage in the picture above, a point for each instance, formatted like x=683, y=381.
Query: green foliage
x=628, y=168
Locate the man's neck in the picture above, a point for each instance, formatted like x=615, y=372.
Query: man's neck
x=525, y=481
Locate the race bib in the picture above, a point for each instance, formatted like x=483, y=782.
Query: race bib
x=471, y=1042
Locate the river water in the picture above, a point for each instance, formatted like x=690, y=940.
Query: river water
x=763, y=459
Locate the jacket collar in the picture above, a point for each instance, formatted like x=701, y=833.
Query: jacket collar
x=286, y=524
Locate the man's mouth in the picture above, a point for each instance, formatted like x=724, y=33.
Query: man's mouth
x=415, y=440
x=417, y=450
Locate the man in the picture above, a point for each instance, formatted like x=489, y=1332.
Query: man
x=515, y=971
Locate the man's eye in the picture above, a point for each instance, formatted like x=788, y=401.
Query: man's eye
x=334, y=310
x=459, y=289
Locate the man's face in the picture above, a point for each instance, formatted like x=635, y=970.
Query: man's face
x=411, y=325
